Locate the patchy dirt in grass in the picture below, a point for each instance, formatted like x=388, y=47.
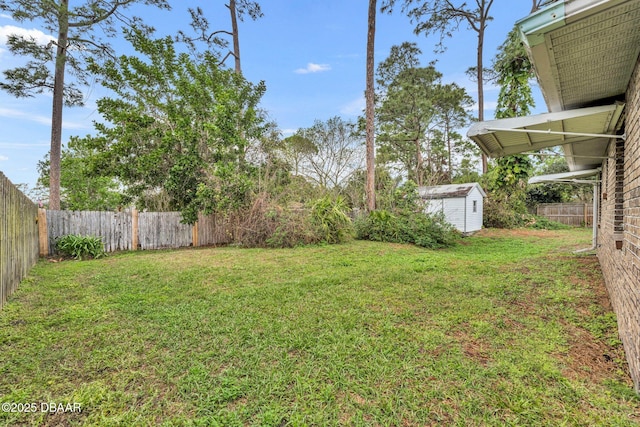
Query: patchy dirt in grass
x=590, y=357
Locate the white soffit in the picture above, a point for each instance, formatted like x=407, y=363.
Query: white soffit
x=564, y=176
x=503, y=137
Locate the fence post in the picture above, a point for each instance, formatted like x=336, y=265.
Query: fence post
x=134, y=230
x=194, y=234
x=43, y=232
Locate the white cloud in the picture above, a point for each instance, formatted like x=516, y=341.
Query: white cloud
x=288, y=132
x=3, y=158
x=313, y=68
x=355, y=107
x=41, y=119
x=488, y=106
x=5, y=16
x=39, y=36
x=20, y=145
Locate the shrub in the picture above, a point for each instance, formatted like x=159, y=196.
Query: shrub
x=427, y=231
x=498, y=213
x=542, y=223
x=330, y=220
x=378, y=226
x=80, y=247
x=266, y=224
x=292, y=228
x=431, y=231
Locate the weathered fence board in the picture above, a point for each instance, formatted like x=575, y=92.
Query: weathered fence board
x=18, y=237
x=575, y=214
x=131, y=230
x=113, y=227
x=159, y=230
x=214, y=230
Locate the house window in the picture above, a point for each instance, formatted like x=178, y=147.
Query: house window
x=475, y=206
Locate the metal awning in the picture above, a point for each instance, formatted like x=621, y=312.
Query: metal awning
x=565, y=177
x=593, y=126
x=584, y=51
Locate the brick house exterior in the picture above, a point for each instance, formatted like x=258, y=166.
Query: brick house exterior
x=587, y=59
x=619, y=228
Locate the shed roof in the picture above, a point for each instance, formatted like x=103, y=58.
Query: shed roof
x=449, y=191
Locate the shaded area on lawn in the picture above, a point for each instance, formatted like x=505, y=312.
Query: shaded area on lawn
x=507, y=328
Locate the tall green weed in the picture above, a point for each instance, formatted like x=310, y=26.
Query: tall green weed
x=80, y=247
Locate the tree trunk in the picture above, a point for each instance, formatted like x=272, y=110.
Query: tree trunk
x=234, y=30
x=481, y=84
x=449, y=160
x=419, y=162
x=56, y=116
x=370, y=109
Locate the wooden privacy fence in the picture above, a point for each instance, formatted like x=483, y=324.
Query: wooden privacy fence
x=18, y=237
x=575, y=214
x=131, y=230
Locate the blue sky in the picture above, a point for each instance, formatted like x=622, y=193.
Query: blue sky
x=310, y=53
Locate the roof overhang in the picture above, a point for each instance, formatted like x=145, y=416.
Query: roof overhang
x=584, y=51
x=586, y=130
x=570, y=177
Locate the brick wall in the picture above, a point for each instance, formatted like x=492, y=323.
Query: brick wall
x=620, y=223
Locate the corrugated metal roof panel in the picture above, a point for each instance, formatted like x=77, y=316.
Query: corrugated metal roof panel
x=497, y=143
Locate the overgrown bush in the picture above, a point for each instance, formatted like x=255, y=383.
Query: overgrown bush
x=427, y=231
x=330, y=220
x=292, y=228
x=499, y=213
x=378, y=226
x=80, y=247
x=267, y=224
x=542, y=223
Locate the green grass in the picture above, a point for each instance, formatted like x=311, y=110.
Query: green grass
x=507, y=328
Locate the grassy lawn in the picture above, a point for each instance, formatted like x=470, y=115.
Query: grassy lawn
x=508, y=328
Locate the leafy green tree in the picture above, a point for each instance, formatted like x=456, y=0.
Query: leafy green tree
x=78, y=38
x=452, y=108
x=513, y=70
x=418, y=117
x=406, y=118
x=401, y=58
x=177, y=124
x=443, y=17
x=81, y=190
x=385, y=187
x=507, y=180
x=295, y=149
x=556, y=192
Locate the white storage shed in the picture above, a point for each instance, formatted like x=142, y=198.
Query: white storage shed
x=461, y=204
